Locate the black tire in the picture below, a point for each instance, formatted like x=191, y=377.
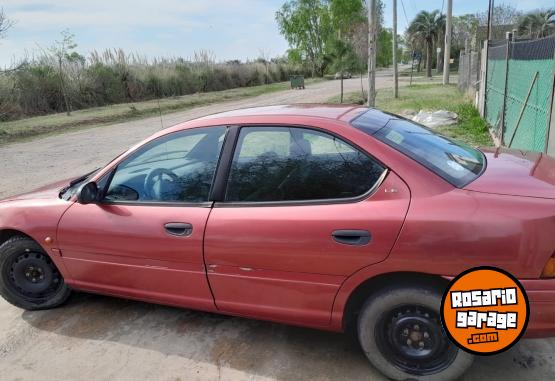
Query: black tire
x=28, y=277
x=400, y=331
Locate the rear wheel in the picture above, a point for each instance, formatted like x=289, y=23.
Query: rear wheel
x=400, y=332
x=29, y=279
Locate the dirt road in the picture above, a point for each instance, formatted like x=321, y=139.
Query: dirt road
x=101, y=338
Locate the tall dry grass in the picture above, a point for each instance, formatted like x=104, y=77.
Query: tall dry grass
x=114, y=76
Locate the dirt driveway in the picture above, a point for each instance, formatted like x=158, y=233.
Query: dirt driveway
x=102, y=338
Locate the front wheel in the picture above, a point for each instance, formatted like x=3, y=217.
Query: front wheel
x=399, y=330
x=28, y=277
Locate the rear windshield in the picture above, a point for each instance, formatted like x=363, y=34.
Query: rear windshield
x=457, y=163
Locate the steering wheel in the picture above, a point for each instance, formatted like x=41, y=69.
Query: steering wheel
x=154, y=182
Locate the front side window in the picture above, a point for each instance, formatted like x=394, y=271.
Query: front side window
x=457, y=163
x=296, y=164
x=178, y=167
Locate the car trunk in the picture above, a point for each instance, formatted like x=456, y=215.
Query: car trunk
x=516, y=173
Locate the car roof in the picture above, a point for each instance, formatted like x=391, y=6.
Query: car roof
x=282, y=114
x=327, y=111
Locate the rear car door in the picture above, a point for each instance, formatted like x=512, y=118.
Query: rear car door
x=303, y=209
x=145, y=238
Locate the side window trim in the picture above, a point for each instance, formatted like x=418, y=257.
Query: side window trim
x=204, y=204
x=220, y=202
x=223, y=169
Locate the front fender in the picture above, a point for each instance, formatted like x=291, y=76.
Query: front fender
x=38, y=219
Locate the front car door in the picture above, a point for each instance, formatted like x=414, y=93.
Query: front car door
x=303, y=210
x=145, y=238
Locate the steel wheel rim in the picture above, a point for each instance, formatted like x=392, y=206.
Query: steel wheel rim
x=32, y=276
x=412, y=339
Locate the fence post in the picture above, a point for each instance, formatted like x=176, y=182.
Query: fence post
x=507, y=59
x=469, y=80
x=461, y=65
x=484, y=79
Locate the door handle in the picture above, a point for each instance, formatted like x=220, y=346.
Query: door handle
x=179, y=229
x=352, y=237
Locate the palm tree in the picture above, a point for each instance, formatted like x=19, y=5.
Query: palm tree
x=537, y=24
x=425, y=28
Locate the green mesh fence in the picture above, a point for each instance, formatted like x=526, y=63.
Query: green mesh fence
x=495, y=87
x=526, y=59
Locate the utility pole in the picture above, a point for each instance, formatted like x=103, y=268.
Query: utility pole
x=372, y=41
x=490, y=19
x=395, y=68
x=447, y=56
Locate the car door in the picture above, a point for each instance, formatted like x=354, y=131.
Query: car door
x=303, y=210
x=144, y=239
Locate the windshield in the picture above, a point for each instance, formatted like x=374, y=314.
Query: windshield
x=457, y=163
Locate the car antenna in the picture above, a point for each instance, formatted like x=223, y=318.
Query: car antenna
x=160, y=112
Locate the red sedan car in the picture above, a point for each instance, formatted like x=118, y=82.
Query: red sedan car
x=339, y=218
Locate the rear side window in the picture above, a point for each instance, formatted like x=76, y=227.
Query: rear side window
x=457, y=163
x=296, y=164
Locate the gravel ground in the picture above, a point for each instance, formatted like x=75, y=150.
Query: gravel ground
x=101, y=338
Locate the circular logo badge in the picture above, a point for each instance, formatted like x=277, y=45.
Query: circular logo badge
x=485, y=310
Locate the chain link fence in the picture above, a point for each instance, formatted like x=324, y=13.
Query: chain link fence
x=469, y=73
x=519, y=92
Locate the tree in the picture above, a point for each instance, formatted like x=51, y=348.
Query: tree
x=343, y=59
x=307, y=27
x=537, y=24
x=384, y=56
x=345, y=15
x=5, y=23
x=62, y=52
x=465, y=28
x=425, y=28
x=505, y=18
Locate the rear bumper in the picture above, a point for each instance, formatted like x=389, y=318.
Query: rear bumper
x=541, y=294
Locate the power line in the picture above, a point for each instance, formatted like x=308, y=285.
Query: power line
x=442, y=5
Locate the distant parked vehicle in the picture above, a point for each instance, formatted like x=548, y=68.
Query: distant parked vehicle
x=340, y=218
x=346, y=75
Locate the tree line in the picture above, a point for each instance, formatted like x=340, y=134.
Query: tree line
x=426, y=32
x=62, y=80
x=325, y=37
x=328, y=36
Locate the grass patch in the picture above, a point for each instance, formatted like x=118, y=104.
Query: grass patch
x=471, y=129
x=100, y=116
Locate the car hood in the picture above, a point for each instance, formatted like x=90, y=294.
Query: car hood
x=516, y=173
x=45, y=192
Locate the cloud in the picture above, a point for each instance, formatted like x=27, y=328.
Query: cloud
x=152, y=28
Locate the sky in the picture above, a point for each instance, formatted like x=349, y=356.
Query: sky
x=231, y=29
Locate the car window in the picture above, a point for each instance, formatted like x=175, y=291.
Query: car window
x=178, y=167
x=296, y=164
x=457, y=163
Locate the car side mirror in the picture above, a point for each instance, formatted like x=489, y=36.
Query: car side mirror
x=88, y=194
